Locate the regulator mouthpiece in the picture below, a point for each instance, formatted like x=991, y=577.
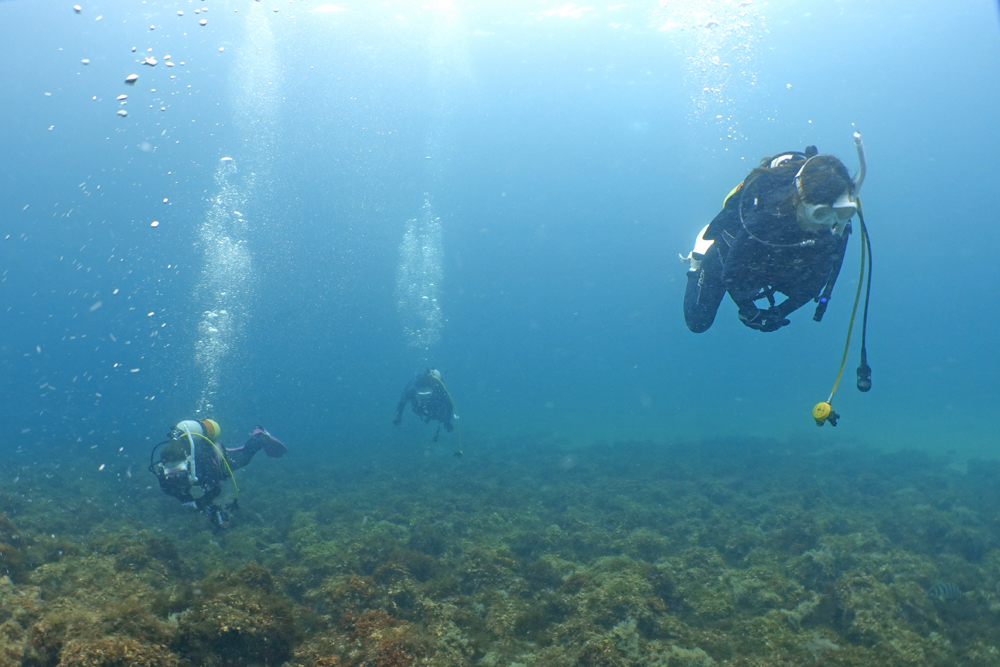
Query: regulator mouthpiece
x=823, y=412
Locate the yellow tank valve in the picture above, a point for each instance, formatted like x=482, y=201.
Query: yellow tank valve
x=211, y=428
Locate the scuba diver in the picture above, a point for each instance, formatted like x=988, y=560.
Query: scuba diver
x=193, y=457
x=783, y=229
x=430, y=399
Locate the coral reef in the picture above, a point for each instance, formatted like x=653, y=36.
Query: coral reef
x=740, y=554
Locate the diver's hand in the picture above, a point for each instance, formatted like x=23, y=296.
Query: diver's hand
x=191, y=505
x=218, y=518
x=398, y=420
x=764, y=320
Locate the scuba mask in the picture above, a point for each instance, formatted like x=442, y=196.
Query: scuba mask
x=833, y=217
x=828, y=216
x=181, y=468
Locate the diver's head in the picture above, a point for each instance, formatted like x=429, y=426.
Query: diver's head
x=174, y=458
x=825, y=195
x=434, y=373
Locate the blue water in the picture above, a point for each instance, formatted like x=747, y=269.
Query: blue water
x=566, y=153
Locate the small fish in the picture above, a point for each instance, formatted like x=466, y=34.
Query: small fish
x=944, y=591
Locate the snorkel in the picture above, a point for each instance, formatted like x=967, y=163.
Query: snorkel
x=851, y=198
x=192, y=468
x=185, y=429
x=860, y=178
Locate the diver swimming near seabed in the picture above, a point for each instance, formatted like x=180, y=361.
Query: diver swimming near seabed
x=429, y=399
x=192, y=457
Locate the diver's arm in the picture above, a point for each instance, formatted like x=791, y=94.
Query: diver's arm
x=790, y=305
x=403, y=400
x=209, y=495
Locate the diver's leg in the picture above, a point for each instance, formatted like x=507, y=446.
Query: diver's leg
x=241, y=456
x=704, y=292
x=260, y=439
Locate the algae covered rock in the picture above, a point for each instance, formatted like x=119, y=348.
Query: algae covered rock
x=237, y=626
x=115, y=651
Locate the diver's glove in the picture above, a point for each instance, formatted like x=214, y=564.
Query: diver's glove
x=764, y=320
x=191, y=505
x=398, y=420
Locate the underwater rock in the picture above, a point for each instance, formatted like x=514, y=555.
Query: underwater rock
x=13, y=561
x=256, y=576
x=237, y=626
x=488, y=568
x=114, y=652
x=383, y=640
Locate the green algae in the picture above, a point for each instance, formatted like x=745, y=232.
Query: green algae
x=739, y=554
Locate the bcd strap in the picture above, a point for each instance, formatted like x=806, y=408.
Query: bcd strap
x=823, y=299
x=766, y=293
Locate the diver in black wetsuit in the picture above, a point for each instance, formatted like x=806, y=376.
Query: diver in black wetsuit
x=192, y=457
x=783, y=229
x=430, y=399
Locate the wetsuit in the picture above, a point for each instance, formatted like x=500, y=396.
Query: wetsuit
x=759, y=249
x=429, y=399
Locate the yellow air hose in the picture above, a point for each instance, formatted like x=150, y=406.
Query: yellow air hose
x=823, y=412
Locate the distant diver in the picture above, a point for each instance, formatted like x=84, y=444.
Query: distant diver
x=783, y=229
x=430, y=400
x=193, y=457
